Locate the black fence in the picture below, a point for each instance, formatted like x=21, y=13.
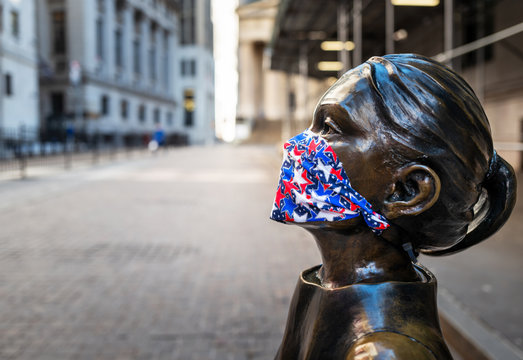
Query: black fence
x=24, y=148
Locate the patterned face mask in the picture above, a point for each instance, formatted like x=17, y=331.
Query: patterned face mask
x=313, y=186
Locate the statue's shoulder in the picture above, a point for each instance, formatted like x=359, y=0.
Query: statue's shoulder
x=390, y=346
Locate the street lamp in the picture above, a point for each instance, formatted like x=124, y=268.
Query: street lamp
x=415, y=2
x=330, y=65
x=337, y=46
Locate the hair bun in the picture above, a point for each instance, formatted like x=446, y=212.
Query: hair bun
x=500, y=183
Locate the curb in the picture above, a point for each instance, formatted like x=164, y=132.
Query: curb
x=468, y=336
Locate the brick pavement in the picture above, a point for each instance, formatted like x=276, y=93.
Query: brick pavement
x=156, y=259
x=160, y=258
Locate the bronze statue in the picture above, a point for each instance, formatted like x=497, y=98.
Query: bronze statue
x=415, y=143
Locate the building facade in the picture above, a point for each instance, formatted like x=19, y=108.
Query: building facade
x=480, y=39
x=18, y=68
x=196, y=70
x=108, y=67
x=271, y=103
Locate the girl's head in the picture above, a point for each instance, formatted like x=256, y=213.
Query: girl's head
x=416, y=143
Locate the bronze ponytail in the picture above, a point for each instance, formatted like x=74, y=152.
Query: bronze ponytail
x=500, y=184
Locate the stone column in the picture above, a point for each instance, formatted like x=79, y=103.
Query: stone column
x=250, y=86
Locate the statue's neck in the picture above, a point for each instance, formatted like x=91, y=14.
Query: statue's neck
x=361, y=257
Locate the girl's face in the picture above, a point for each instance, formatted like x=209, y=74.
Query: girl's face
x=360, y=147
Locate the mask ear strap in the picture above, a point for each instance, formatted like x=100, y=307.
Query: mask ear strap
x=407, y=245
x=410, y=250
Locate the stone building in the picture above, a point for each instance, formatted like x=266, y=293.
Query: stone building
x=107, y=66
x=196, y=72
x=18, y=68
x=119, y=69
x=271, y=103
x=481, y=39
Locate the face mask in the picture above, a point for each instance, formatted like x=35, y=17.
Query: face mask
x=313, y=186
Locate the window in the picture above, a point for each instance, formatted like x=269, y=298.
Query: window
x=156, y=116
x=1, y=18
x=193, y=67
x=189, y=106
x=15, y=23
x=183, y=71
x=188, y=13
x=59, y=42
x=124, y=109
x=152, y=63
x=118, y=56
x=120, y=11
x=188, y=67
x=105, y=105
x=136, y=56
x=100, y=39
x=101, y=6
x=8, y=81
x=141, y=113
x=169, y=118
x=57, y=103
x=165, y=64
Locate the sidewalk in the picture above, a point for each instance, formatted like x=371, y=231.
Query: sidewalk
x=481, y=289
x=173, y=257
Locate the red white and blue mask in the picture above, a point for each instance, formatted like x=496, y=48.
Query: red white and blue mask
x=313, y=186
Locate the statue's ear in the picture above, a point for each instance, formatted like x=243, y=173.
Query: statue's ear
x=415, y=190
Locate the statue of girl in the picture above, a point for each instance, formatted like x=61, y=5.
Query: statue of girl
x=398, y=160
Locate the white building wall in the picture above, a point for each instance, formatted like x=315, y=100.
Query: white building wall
x=202, y=130
x=202, y=83
x=102, y=77
x=18, y=59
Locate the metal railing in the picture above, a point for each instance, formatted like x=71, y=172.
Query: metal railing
x=24, y=148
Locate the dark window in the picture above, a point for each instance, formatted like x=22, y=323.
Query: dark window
x=124, y=109
x=188, y=13
x=8, y=80
x=118, y=48
x=100, y=39
x=101, y=6
x=208, y=26
x=105, y=105
x=57, y=103
x=182, y=68
x=193, y=67
x=152, y=63
x=188, y=67
x=15, y=23
x=136, y=56
x=59, y=41
x=165, y=65
x=189, y=118
x=189, y=107
x=169, y=118
x=156, y=116
x=141, y=113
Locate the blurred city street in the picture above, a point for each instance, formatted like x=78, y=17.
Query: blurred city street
x=140, y=154
x=173, y=257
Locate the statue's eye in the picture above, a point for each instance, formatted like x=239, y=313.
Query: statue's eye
x=330, y=127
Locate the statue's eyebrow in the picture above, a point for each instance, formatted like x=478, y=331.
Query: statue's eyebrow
x=342, y=117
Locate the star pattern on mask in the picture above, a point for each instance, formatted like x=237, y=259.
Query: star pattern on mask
x=313, y=186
